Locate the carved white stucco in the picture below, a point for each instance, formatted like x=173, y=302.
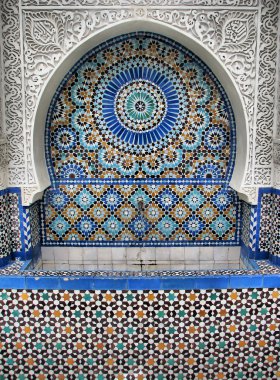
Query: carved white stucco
x=242, y=35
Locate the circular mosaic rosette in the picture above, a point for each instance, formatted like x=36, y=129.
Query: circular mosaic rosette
x=141, y=106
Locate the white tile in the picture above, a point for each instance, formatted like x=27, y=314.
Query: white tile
x=61, y=254
x=220, y=253
x=104, y=254
x=62, y=266
x=107, y=265
x=165, y=266
x=148, y=253
x=192, y=254
x=234, y=253
x=178, y=265
x=177, y=253
x=191, y=267
x=206, y=265
x=89, y=262
x=48, y=266
x=76, y=266
x=221, y=265
x=119, y=265
x=133, y=253
x=233, y=265
x=91, y=267
x=206, y=253
x=47, y=254
x=119, y=254
x=162, y=253
x=76, y=254
x=132, y=267
x=90, y=253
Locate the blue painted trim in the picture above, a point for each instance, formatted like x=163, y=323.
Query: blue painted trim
x=135, y=283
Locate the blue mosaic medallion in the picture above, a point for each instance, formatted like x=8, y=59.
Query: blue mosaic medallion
x=140, y=106
x=140, y=120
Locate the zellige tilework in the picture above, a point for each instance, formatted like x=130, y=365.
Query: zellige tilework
x=174, y=213
x=146, y=113
x=163, y=335
x=140, y=106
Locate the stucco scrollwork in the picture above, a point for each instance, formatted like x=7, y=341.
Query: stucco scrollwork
x=249, y=195
x=276, y=182
x=27, y=195
x=48, y=35
x=12, y=78
x=3, y=153
x=266, y=92
x=232, y=37
x=109, y=3
x=219, y=30
x=276, y=152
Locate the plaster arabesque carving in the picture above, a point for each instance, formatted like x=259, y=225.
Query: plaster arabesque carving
x=109, y=3
x=48, y=35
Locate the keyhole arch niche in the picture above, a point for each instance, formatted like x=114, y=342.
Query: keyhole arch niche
x=140, y=111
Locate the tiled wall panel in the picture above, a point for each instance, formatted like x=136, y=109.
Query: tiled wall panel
x=140, y=142
x=200, y=335
x=174, y=214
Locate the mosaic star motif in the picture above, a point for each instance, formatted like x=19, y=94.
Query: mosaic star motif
x=139, y=335
x=195, y=215
x=141, y=106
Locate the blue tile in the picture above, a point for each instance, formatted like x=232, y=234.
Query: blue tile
x=77, y=283
x=240, y=282
x=178, y=283
x=42, y=282
x=144, y=283
x=110, y=283
x=12, y=282
x=212, y=282
x=271, y=281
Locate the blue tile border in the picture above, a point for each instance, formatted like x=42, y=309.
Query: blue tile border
x=129, y=283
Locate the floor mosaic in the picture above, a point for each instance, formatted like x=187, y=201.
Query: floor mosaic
x=75, y=214
x=163, y=335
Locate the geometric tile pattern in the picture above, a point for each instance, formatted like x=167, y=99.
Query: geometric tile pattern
x=26, y=229
x=246, y=221
x=14, y=222
x=275, y=237
x=10, y=235
x=85, y=213
x=253, y=228
x=35, y=224
x=266, y=222
x=249, y=225
x=140, y=106
x=180, y=334
x=5, y=248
